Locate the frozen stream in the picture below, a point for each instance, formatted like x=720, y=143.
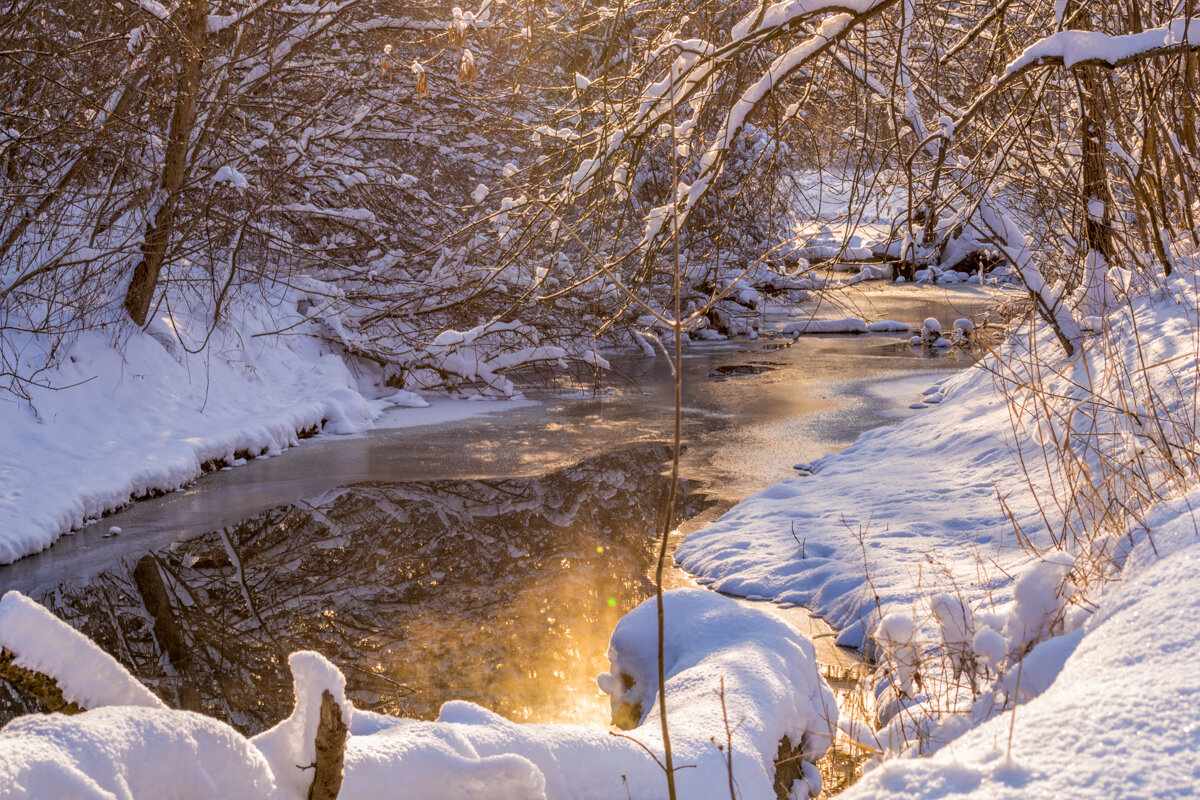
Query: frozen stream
x=485, y=559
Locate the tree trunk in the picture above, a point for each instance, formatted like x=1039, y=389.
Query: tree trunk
x=183, y=114
x=1097, y=226
x=167, y=633
x=331, y=751
x=1094, y=295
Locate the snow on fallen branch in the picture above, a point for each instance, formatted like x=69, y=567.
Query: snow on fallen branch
x=36, y=641
x=812, y=326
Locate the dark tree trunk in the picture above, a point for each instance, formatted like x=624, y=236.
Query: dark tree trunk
x=158, y=235
x=331, y=751
x=1091, y=82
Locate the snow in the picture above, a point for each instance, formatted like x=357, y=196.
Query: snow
x=925, y=487
x=904, y=504
x=291, y=745
x=771, y=689
x=1118, y=720
x=903, y=539
x=765, y=669
x=776, y=15
x=936, y=546
x=126, y=752
x=406, y=399
x=888, y=326
x=1039, y=595
x=230, y=175
x=154, y=7
x=1077, y=47
x=86, y=675
x=815, y=326
x=141, y=413
x=128, y=413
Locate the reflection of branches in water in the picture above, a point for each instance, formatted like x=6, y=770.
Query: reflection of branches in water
x=496, y=591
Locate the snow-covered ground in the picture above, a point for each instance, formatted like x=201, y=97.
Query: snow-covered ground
x=974, y=548
x=1042, y=505
x=133, y=413
x=724, y=664
x=1119, y=720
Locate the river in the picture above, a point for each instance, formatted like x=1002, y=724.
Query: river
x=484, y=559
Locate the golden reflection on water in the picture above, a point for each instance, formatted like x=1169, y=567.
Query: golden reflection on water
x=531, y=655
x=503, y=592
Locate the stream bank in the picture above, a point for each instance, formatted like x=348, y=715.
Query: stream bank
x=484, y=559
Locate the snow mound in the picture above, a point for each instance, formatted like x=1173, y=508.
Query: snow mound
x=771, y=685
x=816, y=326
x=767, y=671
x=406, y=399
x=126, y=752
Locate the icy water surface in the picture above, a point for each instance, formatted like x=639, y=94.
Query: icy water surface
x=486, y=559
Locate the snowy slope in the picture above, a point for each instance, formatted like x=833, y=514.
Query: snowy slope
x=144, y=414
x=910, y=537
x=1120, y=720
x=924, y=506
x=922, y=496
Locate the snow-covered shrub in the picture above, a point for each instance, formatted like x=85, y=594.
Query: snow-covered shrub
x=931, y=334
x=1040, y=596
x=900, y=652
x=957, y=626
x=964, y=330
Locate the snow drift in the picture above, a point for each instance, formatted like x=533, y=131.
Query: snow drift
x=766, y=669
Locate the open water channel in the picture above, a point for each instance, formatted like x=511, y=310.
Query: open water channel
x=486, y=559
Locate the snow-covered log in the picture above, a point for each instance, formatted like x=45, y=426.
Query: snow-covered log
x=33, y=639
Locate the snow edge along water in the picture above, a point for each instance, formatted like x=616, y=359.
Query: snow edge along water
x=135, y=414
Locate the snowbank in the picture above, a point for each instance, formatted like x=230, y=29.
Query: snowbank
x=771, y=690
x=146, y=414
x=772, y=695
x=126, y=752
x=132, y=413
x=1119, y=720
x=899, y=502
x=971, y=546
x=128, y=413
x=919, y=504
